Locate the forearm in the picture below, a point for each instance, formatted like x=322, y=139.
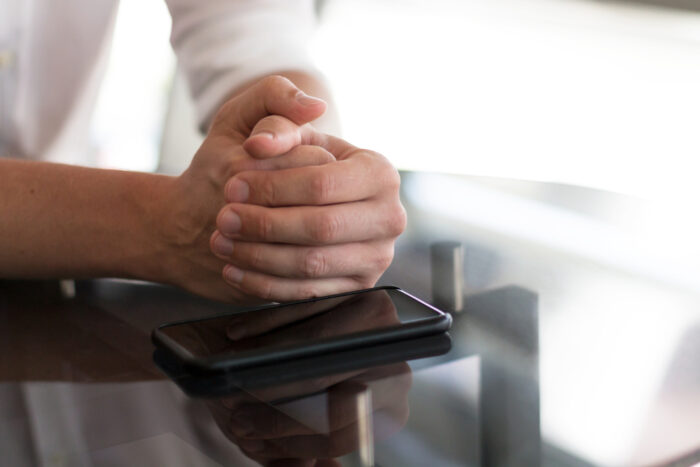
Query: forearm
x=66, y=221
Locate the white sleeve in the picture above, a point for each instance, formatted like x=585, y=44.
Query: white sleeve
x=221, y=44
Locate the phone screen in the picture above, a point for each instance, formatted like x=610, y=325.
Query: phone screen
x=289, y=325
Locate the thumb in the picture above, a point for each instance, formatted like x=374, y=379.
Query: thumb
x=273, y=95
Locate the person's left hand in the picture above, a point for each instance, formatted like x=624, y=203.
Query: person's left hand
x=308, y=231
x=180, y=223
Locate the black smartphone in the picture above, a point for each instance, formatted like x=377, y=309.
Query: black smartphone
x=277, y=333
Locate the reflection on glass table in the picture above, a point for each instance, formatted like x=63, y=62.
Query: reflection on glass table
x=351, y=405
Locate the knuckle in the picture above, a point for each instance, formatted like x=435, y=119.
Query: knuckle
x=220, y=114
x=273, y=83
x=325, y=228
x=384, y=259
x=255, y=257
x=227, y=109
x=265, y=227
x=397, y=220
x=393, y=178
x=390, y=177
x=263, y=289
x=372, y=159
x=384, y=170
x=314, y=264
x=321, y=187
x=267, y=190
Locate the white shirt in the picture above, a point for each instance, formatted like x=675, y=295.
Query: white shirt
x=53, y=55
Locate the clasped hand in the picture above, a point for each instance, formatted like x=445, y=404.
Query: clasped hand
x=304, y=213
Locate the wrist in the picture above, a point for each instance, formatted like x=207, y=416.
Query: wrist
x=149, y=254
x=177, y=221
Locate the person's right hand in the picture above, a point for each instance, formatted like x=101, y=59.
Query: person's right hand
x=187, y=211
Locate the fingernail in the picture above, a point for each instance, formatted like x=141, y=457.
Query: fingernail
x=222, y=246
x=233, y=274
x=237, y=191
x=264, y=134
x=229, y=223
x=307, y=100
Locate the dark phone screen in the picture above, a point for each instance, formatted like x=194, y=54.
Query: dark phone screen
x=288, y=325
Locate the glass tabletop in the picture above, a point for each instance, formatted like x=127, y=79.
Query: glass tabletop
x=575, y=341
